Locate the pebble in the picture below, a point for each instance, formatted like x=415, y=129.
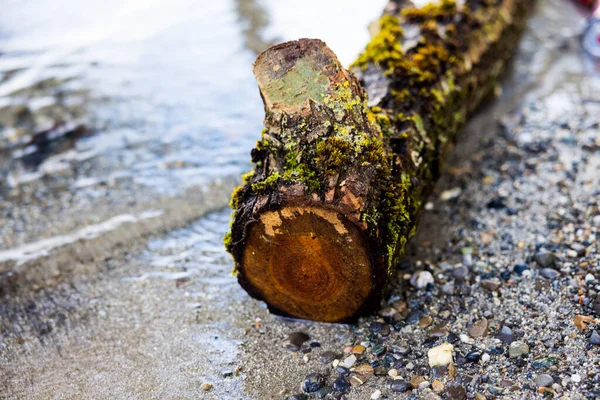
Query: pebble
x=376, y=394
x=543, y=380
x=545, y=259
x=365, y=371
x=432, y=396
x=300, y=396
x=295, y=340
x=517, y=349
x=596, y=304
x=356, y=381
x=439, y=330
x=416, y=380
x=491, y=284
x=348, y=362
x=421, y=279
x=437, y=386
x=327, y=356
x=460, y=273
x=358, y=349
x=520, y=268
x=341, y=384
x=506, y=335
x=485, y=358
x=456, y=393
x=313, y=382
x=594, y=337
x=549, y=273
x=576, y=378
x=479, y=328
x=206, y=386
x=440, y=355
x=473, y=356
x=545, y=362
x=425, y=322
x=590, y=278
x=399, y=386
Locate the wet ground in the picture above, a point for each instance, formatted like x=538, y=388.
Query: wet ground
x=123, y=129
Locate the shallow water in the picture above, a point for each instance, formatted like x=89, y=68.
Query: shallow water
x=166, y=93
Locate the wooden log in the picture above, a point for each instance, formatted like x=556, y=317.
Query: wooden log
x=339, y=179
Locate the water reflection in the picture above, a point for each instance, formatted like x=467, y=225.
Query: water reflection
x=165, y=93
x=254, y=20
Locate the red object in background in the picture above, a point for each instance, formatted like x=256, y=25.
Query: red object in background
x=587, y=3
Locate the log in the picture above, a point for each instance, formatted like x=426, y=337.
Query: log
x=346, y=159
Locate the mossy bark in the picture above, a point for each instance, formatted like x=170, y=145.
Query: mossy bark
x=340, y=176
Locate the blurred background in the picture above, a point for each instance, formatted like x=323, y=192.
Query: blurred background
x=142, y=95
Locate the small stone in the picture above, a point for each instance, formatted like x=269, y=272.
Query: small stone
x=590, y=278
x=456, y=393
x=323, y=392
x=520, y=268
x=506, y=335
x=545, y=362
x=421, y=279
x=549, y=273
x=485, y=358
x=416, y=380
x=479, y=328
x=376, y=394
x=365, y=371
x=341, y=384
x=576, y=378
x=545, y=259
x=460, y=273
x=295, y=340
x=300, y=396
x=425, y=322
x=327, y=356
x=385, y=330
x=393, y=372
x=358, y=349
x=312, y=383
x=413, y=317
x=596, y=304
x=439, y=330
x=491, y=284
x=348, y=362
x=517, y=349
x=495, y=390
x=473, y=356
x=594, y=337
x=356, y=381
x=543, y=380
x=448, y=288
x=437, y=386
x=432, y=396
x=399, y=386
x=479, y=396
x=440, y=355
x=206, y=387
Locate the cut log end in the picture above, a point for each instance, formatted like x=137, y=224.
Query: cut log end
x=308, y=262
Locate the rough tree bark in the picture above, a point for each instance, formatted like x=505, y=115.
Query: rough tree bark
x=340, y=177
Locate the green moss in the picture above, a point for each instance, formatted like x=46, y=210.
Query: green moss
x=385, y=47
x=227, y=240
x=268, y=183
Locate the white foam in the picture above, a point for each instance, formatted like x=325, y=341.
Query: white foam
x=41, y=248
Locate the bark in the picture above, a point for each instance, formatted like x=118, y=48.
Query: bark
x=347, y=159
